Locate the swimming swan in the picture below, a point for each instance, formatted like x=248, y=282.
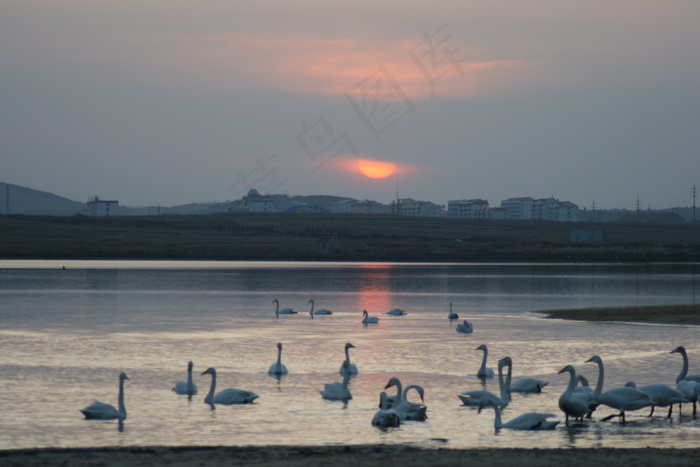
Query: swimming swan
x=451, y=315
x=385, y=417
x=320, y=312
x=522, y=385
x=101, y=411
x=338, y=391
x=465, y=327
x=367, y=319
x=283, y=311
x=475, y=398
x=278, y=368
x=350, y=368
x=188, y=387
x=484, y=372
x=227, y=396
x=622, y=399
x=396, y=312
x=526, y=421
x=407, y=410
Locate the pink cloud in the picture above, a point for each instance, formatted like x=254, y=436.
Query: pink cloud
x=316, y=65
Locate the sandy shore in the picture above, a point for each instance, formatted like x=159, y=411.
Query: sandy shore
x=668, y=314
x=347, y=455
x=388, y=455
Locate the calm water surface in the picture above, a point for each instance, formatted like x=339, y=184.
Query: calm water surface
x=65, y=334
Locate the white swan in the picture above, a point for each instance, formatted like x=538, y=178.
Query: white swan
x=483, y=371
x=572, y=404
x=320, y=312
x=278, y=368
x=452, y=315
x=227, y=396
x=101, y=411
x=465, y=327
x=396, y=312
x=338, y=391
x=524, y=384
x=475, y=398
x=346, y=366
x=662, y=395
x=283, y=311
x=689, y=386
x=526, y=421
x=407, y=410
x=385, y=417
x=367, y=319
x=586, y=392
x=622, y=399
x=188, y=387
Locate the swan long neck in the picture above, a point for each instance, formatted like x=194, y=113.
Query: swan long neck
x=684, y=371
x=572, y=384
x=122, y=408
x=346, y=378
x=382, y=401
x=212, y=388
x=399, y=394
x=497, y=422
x=483, y=359
x=279, y=356
x=501, y=383
x=347, y=357
x=189, y=380
x=601, y=378
x=508, y=377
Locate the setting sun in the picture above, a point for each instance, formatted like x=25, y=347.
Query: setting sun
x=376, y=169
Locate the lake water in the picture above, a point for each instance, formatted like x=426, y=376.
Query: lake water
x=66, y=334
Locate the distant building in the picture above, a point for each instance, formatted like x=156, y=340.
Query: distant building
x=467, y=209
x=497, y=213
x=102, y=208
x=562, y=211
x=254, y=202
x=343, y=205
x=411, y=207
x=518, y=208
x=368, y=207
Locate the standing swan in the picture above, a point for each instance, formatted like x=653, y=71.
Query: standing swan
x=188, y=387
x=474, y=398
x=322, y=311
x=283, y=311
x=688, y=385
x=662, y=395
x=367, y=319
x=338, y=391
x=622, y=399
x=278, y=368
x=227, y=396
x=484, y=372
x=526, y=421
x=101, y=411
x=573, y=404
x=522, y=385
x=452, y=315
x=346, y=366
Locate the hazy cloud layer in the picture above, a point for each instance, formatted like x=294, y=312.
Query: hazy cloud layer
x=175, y=101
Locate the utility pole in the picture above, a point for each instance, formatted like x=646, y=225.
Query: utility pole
x=695, y=192
x=593, y=211
x=638, y=219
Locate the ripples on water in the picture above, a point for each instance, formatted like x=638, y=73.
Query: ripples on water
x=66, y=335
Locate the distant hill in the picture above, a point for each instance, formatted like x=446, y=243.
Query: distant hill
x=24, y=200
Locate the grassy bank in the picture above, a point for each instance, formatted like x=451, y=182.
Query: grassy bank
x=331, y=237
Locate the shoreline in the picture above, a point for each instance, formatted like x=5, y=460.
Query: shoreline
x=359, y=455
x=654, y=314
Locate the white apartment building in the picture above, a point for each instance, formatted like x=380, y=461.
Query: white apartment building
x=102, y=208
x=467, y=209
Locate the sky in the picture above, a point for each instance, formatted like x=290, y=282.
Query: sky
x=171, y=102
